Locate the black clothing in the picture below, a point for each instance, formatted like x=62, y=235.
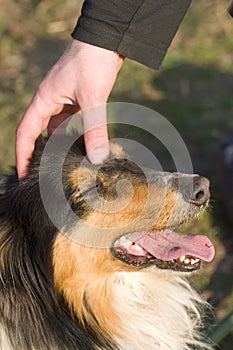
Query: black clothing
x=230, y=8
x=138, y=29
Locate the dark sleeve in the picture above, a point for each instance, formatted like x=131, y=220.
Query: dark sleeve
x=140, y=30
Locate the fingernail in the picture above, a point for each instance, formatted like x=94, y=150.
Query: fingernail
x=98, y=155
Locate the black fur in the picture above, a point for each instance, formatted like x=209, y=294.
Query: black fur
x=31, y=313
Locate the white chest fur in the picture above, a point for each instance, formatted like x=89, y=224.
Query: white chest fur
x=157, y=312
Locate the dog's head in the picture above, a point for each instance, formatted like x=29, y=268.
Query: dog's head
x=127, y=208
x=130, y=211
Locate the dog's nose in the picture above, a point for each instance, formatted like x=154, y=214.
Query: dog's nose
x=194, y=189
x=200, y=190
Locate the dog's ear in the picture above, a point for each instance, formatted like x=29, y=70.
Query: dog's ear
x=116, y=150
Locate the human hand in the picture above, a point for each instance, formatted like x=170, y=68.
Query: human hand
x=82, y=78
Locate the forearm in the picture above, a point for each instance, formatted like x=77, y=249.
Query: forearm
x=138, y=29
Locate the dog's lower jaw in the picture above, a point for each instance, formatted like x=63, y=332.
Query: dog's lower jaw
x=157, y=312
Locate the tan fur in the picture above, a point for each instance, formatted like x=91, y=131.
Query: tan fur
x=168, y=207
x=122, y=215
x=127, y=208
x=137, y=208
x=79, y=271
x=81, y=175
x=117, y=150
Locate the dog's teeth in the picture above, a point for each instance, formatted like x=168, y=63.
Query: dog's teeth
x=124, y=242
x=182, y=258
x=194, y=261
x=137, y=247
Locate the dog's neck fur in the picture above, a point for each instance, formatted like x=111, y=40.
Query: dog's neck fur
x=157, y=312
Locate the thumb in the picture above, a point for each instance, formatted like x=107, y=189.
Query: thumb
x=33, y=123
x=96, y=133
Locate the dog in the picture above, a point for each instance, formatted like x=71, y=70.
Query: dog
x=126, y=289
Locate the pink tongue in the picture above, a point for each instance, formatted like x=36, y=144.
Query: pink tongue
x=168, y=245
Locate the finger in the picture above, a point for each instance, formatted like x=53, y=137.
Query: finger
x=34, y=121
x=27, y=132
x=96, y=133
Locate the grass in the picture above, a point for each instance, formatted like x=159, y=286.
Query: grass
x=193, y=89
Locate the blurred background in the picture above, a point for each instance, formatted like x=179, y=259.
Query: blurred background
x=193, y=90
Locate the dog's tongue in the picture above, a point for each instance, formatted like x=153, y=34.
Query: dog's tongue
x=168, y=245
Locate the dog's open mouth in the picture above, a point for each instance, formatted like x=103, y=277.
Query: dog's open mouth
x=164, y=249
